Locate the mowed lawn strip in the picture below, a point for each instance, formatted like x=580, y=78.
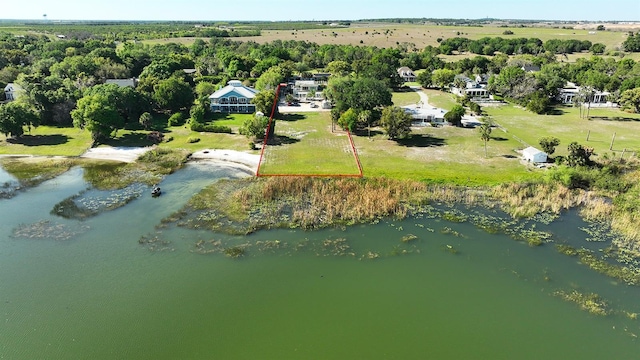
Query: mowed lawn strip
x=306, y=146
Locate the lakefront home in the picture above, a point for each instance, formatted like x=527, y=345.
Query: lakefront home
x=233, y=98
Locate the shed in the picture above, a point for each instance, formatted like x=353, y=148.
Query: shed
x=534, y=155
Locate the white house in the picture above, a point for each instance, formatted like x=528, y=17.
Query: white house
x=570, y=91
x=534, y=155
x=407, y=74
x=307, y=90
x=473, y=89
x=12, y=91
x=233, y=98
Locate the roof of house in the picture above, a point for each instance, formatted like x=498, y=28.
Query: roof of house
x=531, y=68
x=406, y=71
x=122, y=82
x=237, y=87
x=531, y=151
x=12, y=87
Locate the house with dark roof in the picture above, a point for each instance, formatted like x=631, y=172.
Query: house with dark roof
x=233, y=98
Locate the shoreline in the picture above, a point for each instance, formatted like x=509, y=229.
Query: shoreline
x=242, y=160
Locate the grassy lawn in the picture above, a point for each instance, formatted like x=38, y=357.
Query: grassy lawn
x=306, y=146
x=568, y=126
x=405, y=98
x=440, y=99
x=48, y=141
x=443, y=155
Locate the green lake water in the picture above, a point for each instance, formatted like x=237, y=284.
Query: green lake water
x=89, y=290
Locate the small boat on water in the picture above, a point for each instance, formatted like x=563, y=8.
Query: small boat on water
x=156, y=191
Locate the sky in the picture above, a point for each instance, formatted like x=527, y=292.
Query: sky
x=284, y=10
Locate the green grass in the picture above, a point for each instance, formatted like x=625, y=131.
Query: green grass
x=568, y=126
x=405, y=98
x=48, y=141
x=440, y=99
x=443, y=155
x=306, y=146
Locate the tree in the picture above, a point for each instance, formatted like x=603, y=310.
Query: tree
x=173, y=94
x=598, y=48
x=365, y=117
x=424, y=79
x=442, y=77
x=538, y=102
x=145, y=120
x=272, y=77
x=14, y=116
x=197, y=113
x=98, y=115
x=255, y=127
x=548, y=144
x=579, y=155
x=348, y=119
x=396, y=122
x=454, y=116
x=339, y=68
x=485, y=135
x=585, y=94
x=264, y=102
x=368, y=94
x=630, y=100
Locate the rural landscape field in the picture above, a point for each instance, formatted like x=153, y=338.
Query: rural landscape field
x=273, y=185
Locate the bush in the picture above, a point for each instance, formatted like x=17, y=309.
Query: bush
x=199, y=127
x=155, y=137
x=176, y=119
x=192, y=140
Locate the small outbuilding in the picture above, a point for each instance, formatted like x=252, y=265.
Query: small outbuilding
x=534, y=155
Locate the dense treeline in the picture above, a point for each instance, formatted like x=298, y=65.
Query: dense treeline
x=57, y=74
x=489, y=46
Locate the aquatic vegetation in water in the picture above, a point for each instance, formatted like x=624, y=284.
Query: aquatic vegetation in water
x=454, y=215
x=31, y=172
x=449, y=231
x=409, y=238
x=46, y=229
x=590, y=302
x=235, y=252
x=155, y=243
x=629, y=273
x=450, y=249
x=336, y=247
x=91, y=203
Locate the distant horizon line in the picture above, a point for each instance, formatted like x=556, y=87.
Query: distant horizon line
x=321, y=20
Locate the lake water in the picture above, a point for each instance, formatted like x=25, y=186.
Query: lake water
x=88, y=289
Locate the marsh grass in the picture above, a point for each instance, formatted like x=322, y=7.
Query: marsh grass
x=33, y=171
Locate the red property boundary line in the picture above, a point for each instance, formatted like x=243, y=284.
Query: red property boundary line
x=264, y=146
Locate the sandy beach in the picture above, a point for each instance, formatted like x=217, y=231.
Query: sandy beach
x=130, y=154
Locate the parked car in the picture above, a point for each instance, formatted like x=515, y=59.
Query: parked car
x=314, y=105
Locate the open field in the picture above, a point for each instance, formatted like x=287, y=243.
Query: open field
x=389, y=35
x=568, y=126
x=305, y=145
